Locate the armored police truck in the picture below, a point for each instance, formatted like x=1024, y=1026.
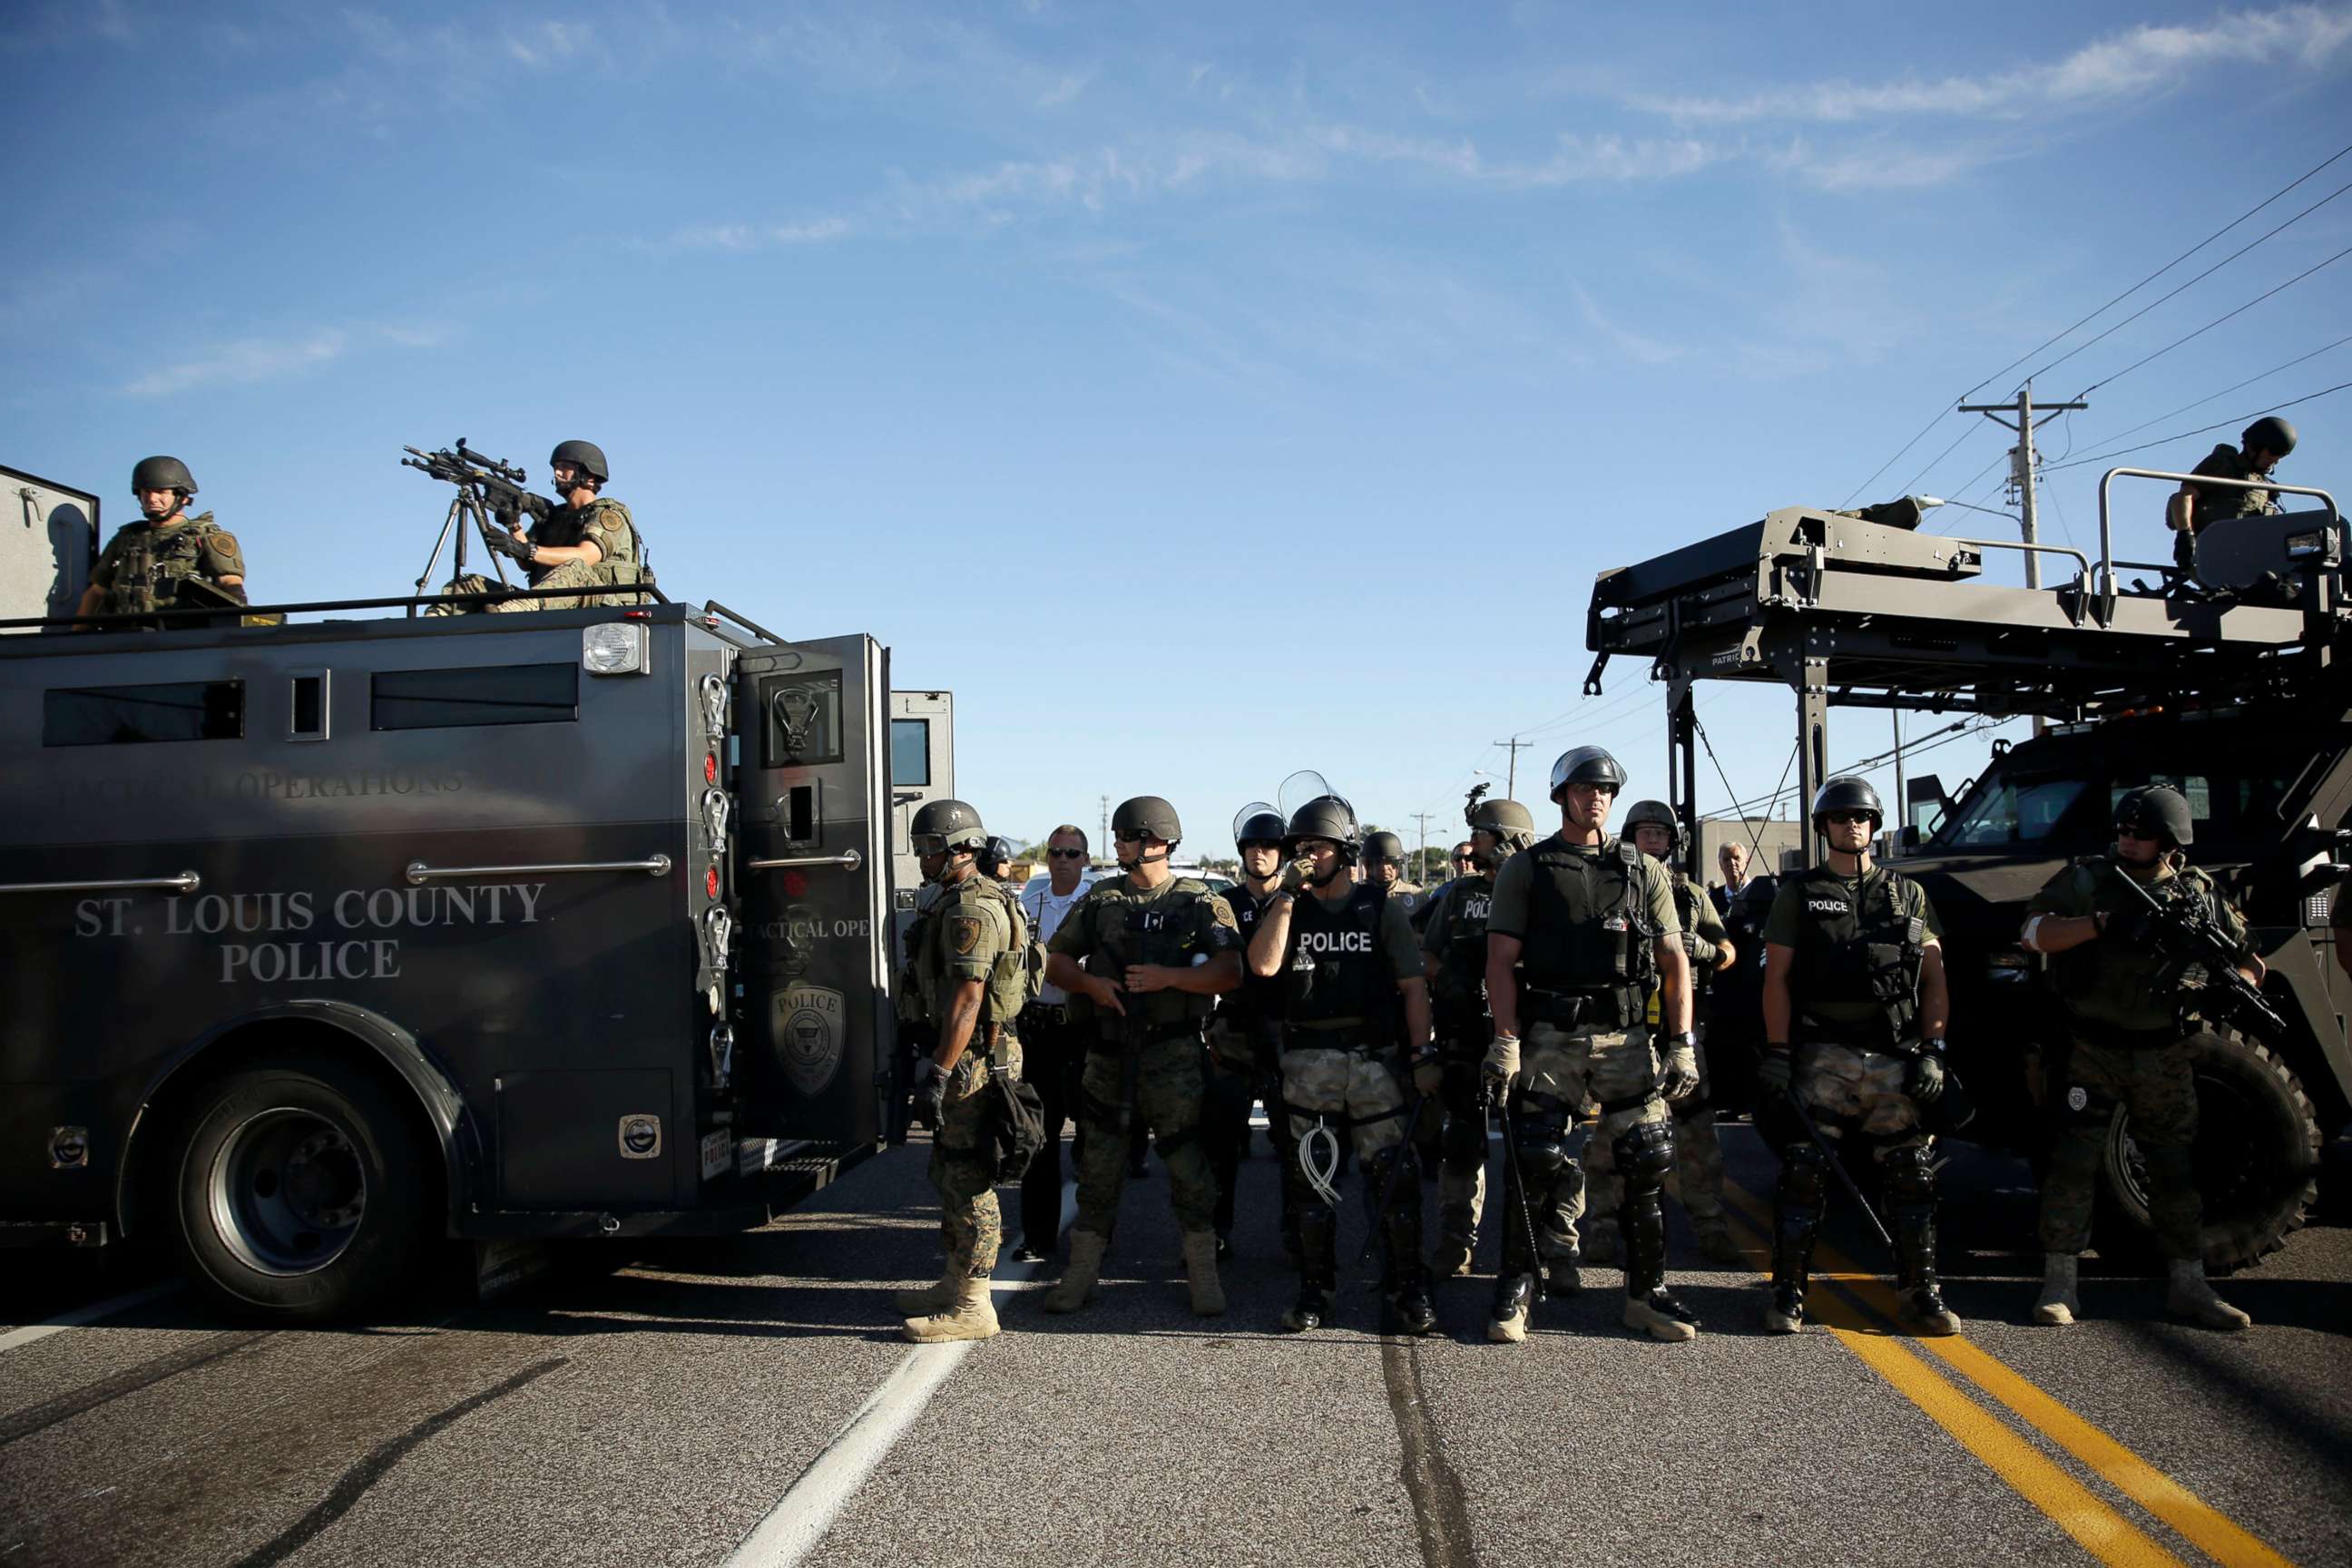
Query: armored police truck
x=329, y=942
x=2230, y=686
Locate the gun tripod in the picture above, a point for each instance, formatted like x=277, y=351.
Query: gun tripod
x=469, y=507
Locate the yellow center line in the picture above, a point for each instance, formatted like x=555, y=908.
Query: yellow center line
x=2198, y=1521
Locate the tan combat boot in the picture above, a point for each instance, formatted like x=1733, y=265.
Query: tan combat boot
x=971, y=1316
x=1657, y=1314
x=1201, y=1272
x=2060, y=1302
x=1453, y=1257
x=931, y=1297
x=2191, y=1298
x=1078, y=1283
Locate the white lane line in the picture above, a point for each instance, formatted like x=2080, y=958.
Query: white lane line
x=89, y=1314
x=801, y=1518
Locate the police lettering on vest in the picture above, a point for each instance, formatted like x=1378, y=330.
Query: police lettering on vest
x=1336, y=973
x=1858, y=954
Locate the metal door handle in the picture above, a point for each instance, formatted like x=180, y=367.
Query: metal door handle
x=849, y=859
x=419, y=873
x=185, y=882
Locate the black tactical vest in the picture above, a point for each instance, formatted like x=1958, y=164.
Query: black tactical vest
x=1688, y=897
x=1863, y=955
x=1256, y=998
x=1462, y=965
x=1588, y=927
x=1336, y=969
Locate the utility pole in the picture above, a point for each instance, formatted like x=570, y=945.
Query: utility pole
x=1421, y=858
x=1511, y=783
x=2021, y=474
x=1902, y=800
x=1104, y=839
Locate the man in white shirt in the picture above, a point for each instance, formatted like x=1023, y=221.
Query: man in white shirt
x=1053, y=1053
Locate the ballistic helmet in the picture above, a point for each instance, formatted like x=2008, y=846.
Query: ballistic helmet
x=162, y=473
x=1257, y=824
x=588, y=456
x=2158, y=808
x=1325, y=817
x=1507, y=820
x=1149, y=813
x=941, y=825
x=1586, y=765
x=999, y=851
x=1660, y=813
x=1848, y=792
x=2270, y=433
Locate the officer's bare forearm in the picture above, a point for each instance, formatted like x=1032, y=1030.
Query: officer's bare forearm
x=1935, y=995
x=558, y=555
x=1673, y=986
x=1777, y=1007
x=1416, y=1013
x=963, y=1017
x=1726, y=955
x=92, y=597
x=1273, y=936
x=1503, y=982
x=1215, y=978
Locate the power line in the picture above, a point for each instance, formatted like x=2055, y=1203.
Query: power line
x=1898, y=455
x=2152, y=277
x=2175, y=293
x=1931, y=469
x=2202, y=430
x=2218, y=320
x=2225, y=392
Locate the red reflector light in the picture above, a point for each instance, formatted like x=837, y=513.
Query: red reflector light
x=710, y=767
x=710, y=882
x=796, y=884
x=636, y=615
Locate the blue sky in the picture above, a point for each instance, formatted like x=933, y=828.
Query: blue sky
x=1201, y=392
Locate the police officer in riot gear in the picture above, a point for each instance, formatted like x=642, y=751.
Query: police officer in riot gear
x=1246, y=1033
x=2195, y=508
x=1453, y=959
x=1697, y=1176
x=958, y=969
x=997, y=860
x=167, y=560
x=2130, y=1045
x=1355, y=1040
x=1157, y=950
x=1854, y=1013
x=1384, y=869
x=1581, y=927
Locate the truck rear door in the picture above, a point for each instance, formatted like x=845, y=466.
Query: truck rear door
x=813, y=782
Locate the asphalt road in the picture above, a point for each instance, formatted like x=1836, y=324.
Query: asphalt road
x=750, y=1400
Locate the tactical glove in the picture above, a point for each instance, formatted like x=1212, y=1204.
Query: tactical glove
x=1776, y=1071
x=1697, y=949
x=1923, y=1080
x=1295, y=874
x=1502, y=1060
x=1681, y=1080
x=511, y=546
x=931, y=1094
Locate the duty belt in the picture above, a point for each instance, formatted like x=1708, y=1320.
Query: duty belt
x=1878, y=1034
x=1353, y=1035
x=1600, y=1007
x=1054, y=1013
x=1190, y=1029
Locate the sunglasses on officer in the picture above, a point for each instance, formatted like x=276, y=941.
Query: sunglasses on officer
x=1067, y=854
x=1848, y=817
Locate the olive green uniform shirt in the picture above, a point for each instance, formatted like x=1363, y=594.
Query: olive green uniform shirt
x=1789, y=921
x=136, y=572
x=1508, y=916
x=2109, y=980
x=1193, y=929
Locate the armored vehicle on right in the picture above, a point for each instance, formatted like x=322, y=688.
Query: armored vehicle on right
x=2234, y=692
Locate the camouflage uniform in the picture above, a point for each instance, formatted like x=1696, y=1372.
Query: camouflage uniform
x=141, y=569
x=2220, y=503
x=1697, y=1179
x=959, y=939
x=603, y=522
x=2126, y=1048
x=1117, y=924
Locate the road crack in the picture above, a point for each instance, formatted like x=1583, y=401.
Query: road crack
x=1441, y=1514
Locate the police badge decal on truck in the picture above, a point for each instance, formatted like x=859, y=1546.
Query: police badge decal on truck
x=808, y=1026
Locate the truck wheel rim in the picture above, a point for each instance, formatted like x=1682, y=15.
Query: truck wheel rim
x=287, y=1192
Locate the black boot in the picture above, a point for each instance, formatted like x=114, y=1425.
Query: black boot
x=1321, y=1272
x=1910, y=1181
x=1649, y=1308
x=1408, y=1298
x=1792, y=1265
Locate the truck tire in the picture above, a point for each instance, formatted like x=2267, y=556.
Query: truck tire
x=2257, y=1159
x=300, y=1191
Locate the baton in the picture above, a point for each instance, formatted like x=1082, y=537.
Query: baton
x=1396, y=1166
x=1837, y=1162
x=1487, y=1096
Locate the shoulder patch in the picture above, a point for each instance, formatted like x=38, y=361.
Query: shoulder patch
x=964, y=934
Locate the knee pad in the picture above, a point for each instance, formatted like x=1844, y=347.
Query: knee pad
x=1909, y=1176
x=1804, y=1175
x=1542, y=1163
x=1646, y=1152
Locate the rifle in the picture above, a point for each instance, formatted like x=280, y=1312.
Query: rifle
x=2184, y=930
x=498, y=485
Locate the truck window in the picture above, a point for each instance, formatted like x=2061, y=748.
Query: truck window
x=910, y=752
x=450, y=698
x=2012, y=811
x=133, y=715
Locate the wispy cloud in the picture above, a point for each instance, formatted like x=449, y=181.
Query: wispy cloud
x=751, y=236
x=1633, y=346
x=245, y=361
x=1574, y=159
x=2142, y=59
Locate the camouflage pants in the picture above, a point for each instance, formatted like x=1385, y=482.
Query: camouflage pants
x=1168, y=1093
x=570, y=574
x=963, y=1164
x=1697, y=1179
x=2158, y=1090
x=1367, y=1089
x=1559, y=1069
x=1845, y=1088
